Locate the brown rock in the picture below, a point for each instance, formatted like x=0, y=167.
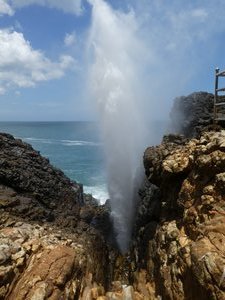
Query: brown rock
x=185, y=255
x=50, y=272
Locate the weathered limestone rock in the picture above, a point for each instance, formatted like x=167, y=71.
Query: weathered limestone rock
x=49, y=272
x=53, y=238
x=44, y=263
x=50, y=232
x=185, y=254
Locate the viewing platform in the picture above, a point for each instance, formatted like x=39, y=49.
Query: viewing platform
x=219, y=98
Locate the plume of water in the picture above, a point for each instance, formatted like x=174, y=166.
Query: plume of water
x=114, y=45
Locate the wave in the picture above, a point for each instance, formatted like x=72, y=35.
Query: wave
x=79, y=143
x=62, y=142
x=98, y=192
x=39, y=140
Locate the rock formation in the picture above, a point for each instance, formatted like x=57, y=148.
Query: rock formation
x=179, y=233
x=191, y=114
x=181, y=242
x=57, y=243
x=48, y=249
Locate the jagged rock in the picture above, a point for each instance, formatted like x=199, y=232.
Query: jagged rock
x=50, y=272
x=185, y=252
x=47, y=263
x=53, y=238
x=191, y=114
x=31, y=187
x=50, y=232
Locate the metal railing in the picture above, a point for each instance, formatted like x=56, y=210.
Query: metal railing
x=219, y=105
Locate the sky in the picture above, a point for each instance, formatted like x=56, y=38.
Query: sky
x=45, y=56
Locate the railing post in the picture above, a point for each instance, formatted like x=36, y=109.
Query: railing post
x=215, y=95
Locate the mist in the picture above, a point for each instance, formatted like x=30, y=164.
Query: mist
x=141, y=56
x=114, y=85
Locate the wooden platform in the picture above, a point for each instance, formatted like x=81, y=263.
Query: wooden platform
x=219, y=106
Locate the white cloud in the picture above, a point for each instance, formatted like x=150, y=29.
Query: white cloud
x=17, y=26
x=5, y=8
x=70, y=39
x=199, y=13
x=2, y=90
x=180, y=38
x=17, y=93
x=68, y=6
x=22, y=66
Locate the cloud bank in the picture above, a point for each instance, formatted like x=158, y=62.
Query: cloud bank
x=181, y=48
x=70, y=39
x=22, y=66
x=5, y=8
x=69, y=6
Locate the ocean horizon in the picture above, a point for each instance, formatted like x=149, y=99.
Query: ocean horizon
x=75, y=147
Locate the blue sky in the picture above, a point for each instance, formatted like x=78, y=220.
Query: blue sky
x=44, y=62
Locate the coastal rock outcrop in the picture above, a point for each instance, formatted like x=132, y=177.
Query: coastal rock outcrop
x=46, y=262
x=52, y=245
x=55, y=241
x=58, y=243
x=181, y=241
x=33, y=187
x=191, y=114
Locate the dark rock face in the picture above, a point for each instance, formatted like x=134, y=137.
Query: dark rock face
x=191, y=114
x=52, y=245
x=38, y=190
x=54, y=240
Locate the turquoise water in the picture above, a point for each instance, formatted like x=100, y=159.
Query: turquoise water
x=74, y=147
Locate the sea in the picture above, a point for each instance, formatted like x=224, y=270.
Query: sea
x=74, y=147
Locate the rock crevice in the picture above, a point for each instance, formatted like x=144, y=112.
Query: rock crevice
x=56, y=242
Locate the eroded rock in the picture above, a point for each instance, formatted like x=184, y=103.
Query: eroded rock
x=185, y=254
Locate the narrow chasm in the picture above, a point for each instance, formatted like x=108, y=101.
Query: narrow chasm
x=177, y=243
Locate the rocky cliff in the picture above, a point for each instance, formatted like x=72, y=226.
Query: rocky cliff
x=179, y=234
x=191, y=114
x=181, y=240
x=52, y=236
x=57, y=243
